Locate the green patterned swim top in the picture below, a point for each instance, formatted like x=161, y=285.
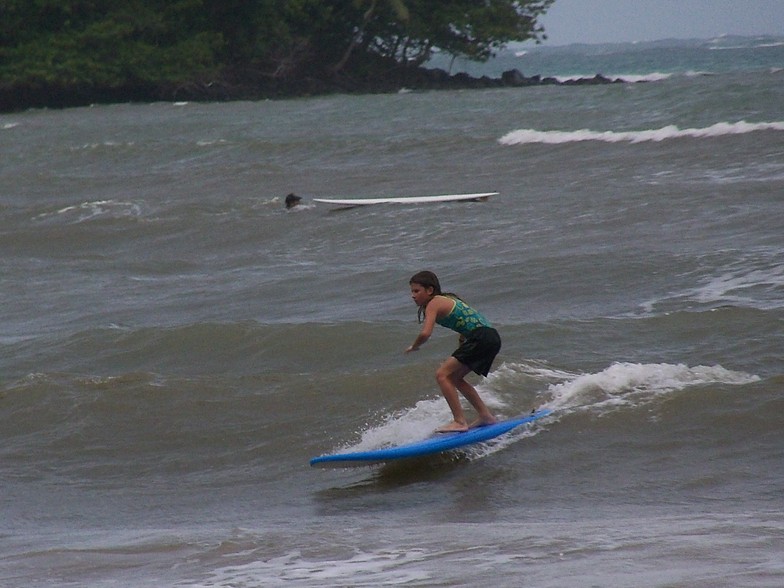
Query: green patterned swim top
x=463, y=319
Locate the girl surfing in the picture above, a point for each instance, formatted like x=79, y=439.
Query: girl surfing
x=479, y=344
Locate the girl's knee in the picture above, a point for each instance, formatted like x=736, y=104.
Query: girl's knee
x=442, y=375
x=446, y=376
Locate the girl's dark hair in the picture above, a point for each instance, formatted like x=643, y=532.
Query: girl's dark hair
x=428, y=279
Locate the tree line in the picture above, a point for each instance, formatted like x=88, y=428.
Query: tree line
x=153, y=46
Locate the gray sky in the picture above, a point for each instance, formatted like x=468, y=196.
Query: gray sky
x=612, y=21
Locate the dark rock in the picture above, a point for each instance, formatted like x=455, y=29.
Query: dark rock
x=250, y=84
x=513, y=77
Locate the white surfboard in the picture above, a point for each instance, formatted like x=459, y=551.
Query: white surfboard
x=480, y=197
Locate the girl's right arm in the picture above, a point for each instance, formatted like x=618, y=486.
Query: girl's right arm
x=433, y=307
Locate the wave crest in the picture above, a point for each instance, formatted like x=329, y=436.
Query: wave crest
x=527, y=136
x=634, y=384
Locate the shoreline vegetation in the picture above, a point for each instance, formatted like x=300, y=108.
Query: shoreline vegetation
x=69, y=53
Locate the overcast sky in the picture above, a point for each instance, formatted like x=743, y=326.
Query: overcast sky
x=612, y=21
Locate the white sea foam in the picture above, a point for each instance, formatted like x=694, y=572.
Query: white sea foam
x=101, y=145
x=739, y=284
x=527, y=136
x=635, y=384
x=621, y=385
x=415, y=424
x=94, y=209
x=629, y=78
x=731, y=287
x=636, y=78
x=758, y=46
x=387, y=567
x=211, y=142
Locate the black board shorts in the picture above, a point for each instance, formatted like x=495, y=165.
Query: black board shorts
x=479, y=349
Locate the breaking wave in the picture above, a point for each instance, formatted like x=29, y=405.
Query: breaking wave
x=525, y=136
x=622, y=385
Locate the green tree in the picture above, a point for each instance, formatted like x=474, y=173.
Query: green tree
x=372, y=12
x=107, y=44
x=467, y=28
x=104, y=43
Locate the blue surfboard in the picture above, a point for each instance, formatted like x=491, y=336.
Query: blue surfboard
x=440, y=442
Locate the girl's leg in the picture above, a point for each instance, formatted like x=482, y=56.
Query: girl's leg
x=450, y=377
x=485, y=417
x=449, y=390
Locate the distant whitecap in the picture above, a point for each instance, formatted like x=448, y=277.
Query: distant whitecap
x=524, y=136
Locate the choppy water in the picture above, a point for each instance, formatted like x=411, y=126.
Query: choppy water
x=175, y=346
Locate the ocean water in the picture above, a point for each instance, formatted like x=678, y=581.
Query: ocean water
x=175, y=345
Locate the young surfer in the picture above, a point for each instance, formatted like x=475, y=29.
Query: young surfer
x=479, y=344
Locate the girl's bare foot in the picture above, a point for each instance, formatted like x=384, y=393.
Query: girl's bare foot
x=453, y=427
x=483, y=422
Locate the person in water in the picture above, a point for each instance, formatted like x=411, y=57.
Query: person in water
x=292, y=200
x=479, y=344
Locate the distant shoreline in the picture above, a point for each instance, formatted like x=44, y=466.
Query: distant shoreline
x=244, y=85
x=234, y=84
